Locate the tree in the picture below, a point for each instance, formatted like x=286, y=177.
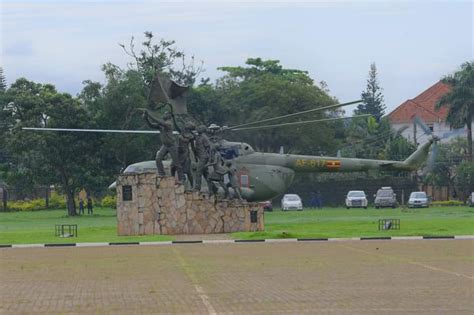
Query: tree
x=367, y=138
x=372, y=98
x=5, y=124
x=460, y=101
x=117, y=104
x=445, y=170
x=465, y=178
x=398, y=147
x=3, y=81
x=161, y=57
x=205, y=104
x=67, y=160
x=264, y=89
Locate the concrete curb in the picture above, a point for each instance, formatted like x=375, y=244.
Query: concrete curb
x=282, y=240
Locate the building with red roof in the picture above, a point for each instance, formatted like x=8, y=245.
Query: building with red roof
x=424, y=107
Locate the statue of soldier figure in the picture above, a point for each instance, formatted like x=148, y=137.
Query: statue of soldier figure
x=168, y=141
x=232, y=174
x=185, y=139
x=221, y=168
x=203, y=149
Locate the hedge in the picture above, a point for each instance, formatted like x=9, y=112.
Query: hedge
x=55, y=201
x=109, y=202
x=447, y=203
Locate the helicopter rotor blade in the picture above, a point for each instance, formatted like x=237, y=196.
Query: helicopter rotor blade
x=295, y=114
x=432, y=158
x=298, y=123
x=91, y=130
x=431, y=162
x=400, y=131
x=423, y=126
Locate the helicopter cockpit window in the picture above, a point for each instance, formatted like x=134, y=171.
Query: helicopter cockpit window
x=228, y=153
x=246, y=149
x=231, y=150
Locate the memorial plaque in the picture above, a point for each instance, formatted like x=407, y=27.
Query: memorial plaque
x=253, y=216
x=126, y=193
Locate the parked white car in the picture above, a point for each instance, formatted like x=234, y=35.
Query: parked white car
x=356, y=199
x=418, y=199
x=291, y=202
x=471, y=200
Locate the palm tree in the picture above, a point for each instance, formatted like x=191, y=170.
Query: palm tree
x=460, y=100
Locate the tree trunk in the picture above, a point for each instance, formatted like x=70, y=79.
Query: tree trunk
x=46, y=197
x=71, y=204
x=469, y=138
x=5, y=200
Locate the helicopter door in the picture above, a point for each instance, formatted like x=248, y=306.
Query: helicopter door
x=244, y=179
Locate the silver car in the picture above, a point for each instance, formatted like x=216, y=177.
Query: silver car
x=418, y=199
x=291, y=202
x=356, y=199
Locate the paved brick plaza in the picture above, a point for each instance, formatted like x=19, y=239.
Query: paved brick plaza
x=423, y=276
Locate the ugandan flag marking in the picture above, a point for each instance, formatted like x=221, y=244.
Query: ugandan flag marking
x=333, y=165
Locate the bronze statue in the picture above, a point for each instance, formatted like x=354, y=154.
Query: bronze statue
x=184, y=141
x=221, y=168
x=232, y=174
x=168, y=142
x=218, y=172
x=203, y=155
x=163, y=90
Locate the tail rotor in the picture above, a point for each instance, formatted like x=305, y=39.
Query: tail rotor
x=431, y=163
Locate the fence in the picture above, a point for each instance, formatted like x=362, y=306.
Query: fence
x=10, y=194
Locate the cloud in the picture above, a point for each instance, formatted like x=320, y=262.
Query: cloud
x=66, y=42
x=20, y=48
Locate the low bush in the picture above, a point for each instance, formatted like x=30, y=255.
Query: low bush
x=447, y=203
x=109, y=202
x=56, y=201
x=30, y=205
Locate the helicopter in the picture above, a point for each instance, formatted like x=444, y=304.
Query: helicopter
x=261, y=176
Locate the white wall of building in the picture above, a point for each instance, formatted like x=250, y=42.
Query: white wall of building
x=440, y=129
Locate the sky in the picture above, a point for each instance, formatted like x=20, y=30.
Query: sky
x=413, y=43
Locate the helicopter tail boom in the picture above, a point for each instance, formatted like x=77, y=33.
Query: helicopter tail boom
x=309, y=164
x=414, y=161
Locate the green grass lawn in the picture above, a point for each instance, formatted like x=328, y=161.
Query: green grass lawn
x=38, y=226
x=339, y=222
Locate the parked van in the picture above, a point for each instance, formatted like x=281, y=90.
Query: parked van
x=385, y=197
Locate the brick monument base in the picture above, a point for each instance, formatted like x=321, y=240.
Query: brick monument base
x=148, y=204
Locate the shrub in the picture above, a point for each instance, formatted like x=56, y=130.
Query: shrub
x=447, y=203
x=57, y=201
x=109, y=202
x=31, y=205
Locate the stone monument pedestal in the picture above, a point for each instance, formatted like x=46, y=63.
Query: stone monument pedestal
x=148, y=204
